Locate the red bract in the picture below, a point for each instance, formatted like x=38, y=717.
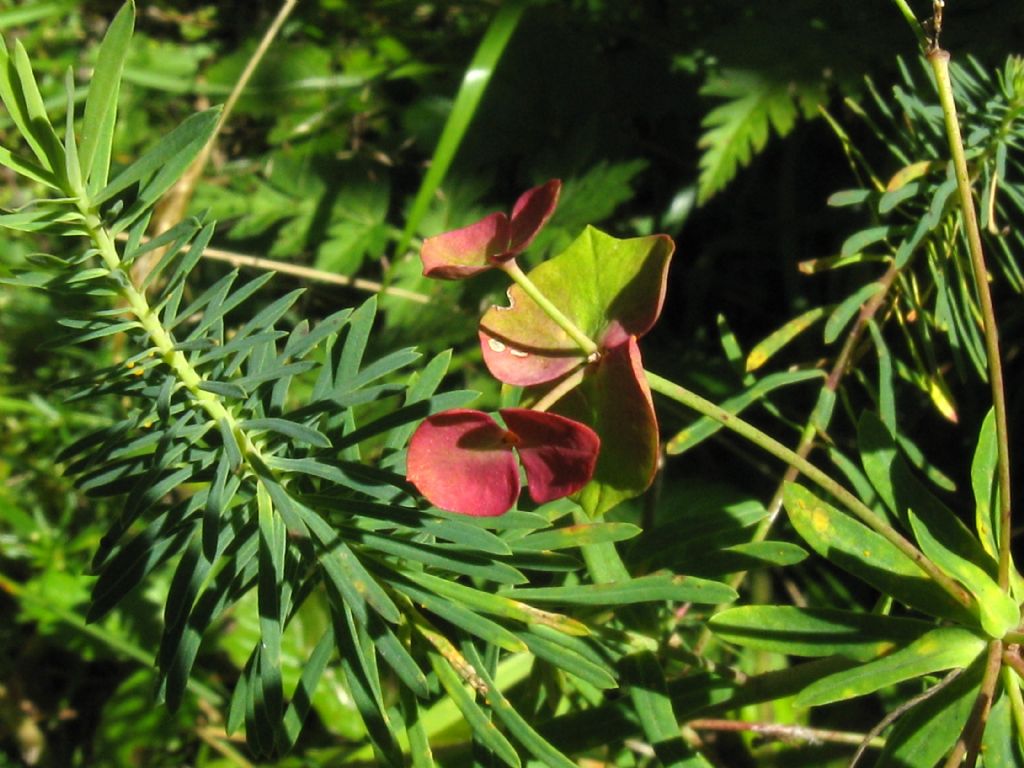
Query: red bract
x=462, y=461
x=492, y=240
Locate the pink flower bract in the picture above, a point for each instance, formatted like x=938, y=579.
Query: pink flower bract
x=492, y=240
x=463, y=461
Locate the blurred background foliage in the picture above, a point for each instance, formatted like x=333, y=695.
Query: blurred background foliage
x=702, y=119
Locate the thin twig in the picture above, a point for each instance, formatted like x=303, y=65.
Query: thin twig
x=965, y=751
x=897, y=713
x=787, y=732
x=308, y=273
x=939, y=60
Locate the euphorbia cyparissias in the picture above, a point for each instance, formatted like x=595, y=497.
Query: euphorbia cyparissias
x=569, y=332
x=462, y=460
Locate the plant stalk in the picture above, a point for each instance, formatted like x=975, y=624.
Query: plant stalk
x=852, y=503
x=939, y=60
x=757, y=437
x=530, y=288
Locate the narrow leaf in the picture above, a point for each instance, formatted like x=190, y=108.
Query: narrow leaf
x=656, y=587
x=939, y=649
x=855, y=548
x=815, y=632
x=101, y=102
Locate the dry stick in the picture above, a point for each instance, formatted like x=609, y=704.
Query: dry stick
x=308, y=273
x=898, y=713
x=785, y=732
x=172, y=208
x=810, y=430
x=969, y=743
x=939, y=60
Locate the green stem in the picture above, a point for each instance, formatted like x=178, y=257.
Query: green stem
x=817, y=422
x=939, y=60
x=530, y=288
x=904, y=8
x=775, y=448
x=771, y=445
x=561, y=389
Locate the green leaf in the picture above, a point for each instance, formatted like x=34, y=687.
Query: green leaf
x=609, y=287
x=478, y=720
x=765, y=349
x=939, y=649
x=474, y=84
x=101, y=102
x=577, y=536
x=453, y=559
x=615, y=401
x=705, y=427
x=517, y=726
x=461, y=616
x=857, y=242
x=497, y=605
x=929, y=730
x=847, y=308
x=983, y=473
x=271, y=580
x=644, y=589
x=645, y=681
x=739, y=128
x=293, y=430
x=1001, y=746
x=815, y=632
x=940, y=534
x=564, y=653
x=345, y=571
x=302, y=697
x=855, y=548
x=27, y=168
x=21, y=96
x=161, y=165
x=364, y=685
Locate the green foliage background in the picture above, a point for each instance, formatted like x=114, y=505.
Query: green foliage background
x=727, y=125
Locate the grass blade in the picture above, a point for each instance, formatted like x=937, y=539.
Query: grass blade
x=474, y=83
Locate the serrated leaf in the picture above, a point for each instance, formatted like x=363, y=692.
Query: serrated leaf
x=738, y=129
